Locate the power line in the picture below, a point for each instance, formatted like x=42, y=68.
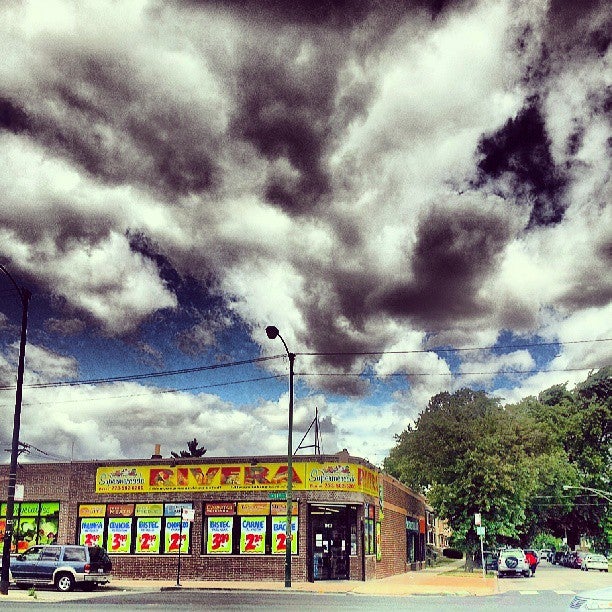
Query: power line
x=454, y=350
x=457, y=374
x=155, y=392
x=127, y=378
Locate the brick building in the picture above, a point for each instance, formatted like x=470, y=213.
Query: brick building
x=350, y=521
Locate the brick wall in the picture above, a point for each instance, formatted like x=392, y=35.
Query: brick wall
x=74, y=483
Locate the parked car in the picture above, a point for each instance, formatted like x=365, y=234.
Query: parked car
x=544, y=554
x=577, y=559
x=490, y=559
x=599, y=599
x=512, y=562
x=558, y=557
x=63, y=566
x=594, y=561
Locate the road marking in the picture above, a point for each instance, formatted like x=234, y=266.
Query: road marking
x=565, y=592
x=529, y=592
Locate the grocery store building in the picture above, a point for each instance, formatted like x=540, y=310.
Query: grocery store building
x=350, y=520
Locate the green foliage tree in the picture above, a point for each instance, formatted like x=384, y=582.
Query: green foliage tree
x=192, y=450
x=469, y=454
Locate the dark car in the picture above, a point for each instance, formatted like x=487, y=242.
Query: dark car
x=490, y=559
x=63, y=566
x=557, y=558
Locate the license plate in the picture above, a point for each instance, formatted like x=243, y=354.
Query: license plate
x=100, y=571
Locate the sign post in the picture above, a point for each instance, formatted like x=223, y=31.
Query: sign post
x=480, y=530
x=185, y=514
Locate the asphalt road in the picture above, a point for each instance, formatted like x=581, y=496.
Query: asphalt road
x=551, y=589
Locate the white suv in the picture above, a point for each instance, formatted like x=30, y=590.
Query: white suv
x=512, y=562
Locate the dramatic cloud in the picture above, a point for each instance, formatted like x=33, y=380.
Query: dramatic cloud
x=368, y=176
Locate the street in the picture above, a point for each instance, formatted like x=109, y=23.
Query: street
x=551, y=589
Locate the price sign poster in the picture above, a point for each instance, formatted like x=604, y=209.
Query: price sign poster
x=253, y=535
x=148, y=535
x=219, y=536
x=174, y=536
x=119, y=538
x=92, y=530
x=279, y=535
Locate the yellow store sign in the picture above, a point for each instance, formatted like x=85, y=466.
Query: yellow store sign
x=237, y=477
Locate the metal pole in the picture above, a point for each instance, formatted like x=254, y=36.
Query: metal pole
x=25, y=296
x=178, y=567
x=288, y=533
x=484, y=569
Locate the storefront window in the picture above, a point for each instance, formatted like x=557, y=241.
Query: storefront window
x=248, y=528
x=135, y=528
x=35, y=523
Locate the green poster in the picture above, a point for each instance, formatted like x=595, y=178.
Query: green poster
x=174, y=535
x=219, y=535
x=378, y=542
x=253, y=535
x=119, y=538
x=148, y=535
x=279, y=535
x=91, y=532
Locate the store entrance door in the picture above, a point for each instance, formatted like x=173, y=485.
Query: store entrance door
x=330, y=534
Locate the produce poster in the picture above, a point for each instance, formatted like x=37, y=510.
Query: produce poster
x=119, y=538
x=219, y=536
x=148, y=535
x=279, y=535
x=253, y=535
x=174, y=536
x=92, y=530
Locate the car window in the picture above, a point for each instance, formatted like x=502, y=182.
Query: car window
x=32, y=553
x=74, y=553
x=50, y=553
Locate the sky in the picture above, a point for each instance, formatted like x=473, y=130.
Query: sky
x=415, y=193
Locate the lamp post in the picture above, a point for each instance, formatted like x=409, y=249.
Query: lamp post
x=25, y=296
x=605, y=494
x=272, y=332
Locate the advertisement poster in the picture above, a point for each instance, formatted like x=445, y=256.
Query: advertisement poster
x=2, y=528
x=92, y=530
x=174, y=536
x=119, y=538
x=279, y=535
x=378, y=542
x=219, y=535
x=148, y=535
x=253, y=535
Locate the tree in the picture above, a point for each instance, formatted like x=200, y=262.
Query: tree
x=471, y=455
x=193, y=450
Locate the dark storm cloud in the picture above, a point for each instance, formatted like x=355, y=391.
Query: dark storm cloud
x=517, y=160
x=95, y=114
x=12, y=117
x=455, y=252
x=330, y=13
x=285, y=115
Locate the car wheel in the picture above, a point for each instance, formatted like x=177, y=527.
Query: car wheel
x=527, y=574
x=586, y=569
x=64, y=583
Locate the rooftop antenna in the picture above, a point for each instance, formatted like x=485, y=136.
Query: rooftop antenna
x=317, y=435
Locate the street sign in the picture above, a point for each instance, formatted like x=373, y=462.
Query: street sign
x=278, y=495
x=477, y=518
x=480, y=530
x=188, y=514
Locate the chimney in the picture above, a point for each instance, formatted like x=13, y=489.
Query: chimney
x=157, y=454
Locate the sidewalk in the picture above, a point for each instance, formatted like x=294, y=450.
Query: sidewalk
x=431, y=581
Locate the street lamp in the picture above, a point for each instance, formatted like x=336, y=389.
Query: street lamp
x=25, y=296
x=605, y=494
x=272, y=332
